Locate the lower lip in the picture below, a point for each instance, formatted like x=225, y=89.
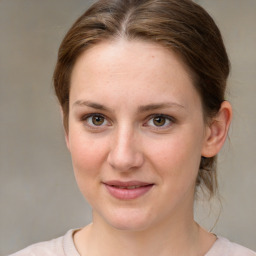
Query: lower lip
x=128, y=194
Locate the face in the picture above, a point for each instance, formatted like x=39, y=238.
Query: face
x=136, y=134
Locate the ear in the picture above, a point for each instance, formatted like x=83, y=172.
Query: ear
x=217, y=130
x=66, y=139
x=65, y=130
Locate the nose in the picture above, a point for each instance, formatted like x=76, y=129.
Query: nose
x=124, y=154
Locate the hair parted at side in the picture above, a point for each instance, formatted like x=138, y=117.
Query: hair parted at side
x=179, y=25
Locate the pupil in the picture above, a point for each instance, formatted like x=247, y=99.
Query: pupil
x=97, y=120
x=159, y=121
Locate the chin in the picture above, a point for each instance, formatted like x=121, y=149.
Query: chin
x=129, y=220
x=129, y=225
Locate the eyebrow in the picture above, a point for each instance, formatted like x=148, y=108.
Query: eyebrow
x=150, y=107
x=143, y=108
x=91, y=104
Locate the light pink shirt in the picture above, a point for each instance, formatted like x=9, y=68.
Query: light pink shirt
x=64, y=246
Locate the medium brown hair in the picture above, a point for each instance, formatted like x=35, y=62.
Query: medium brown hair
x=179, y=25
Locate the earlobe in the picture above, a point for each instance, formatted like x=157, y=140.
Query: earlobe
x=217, y=131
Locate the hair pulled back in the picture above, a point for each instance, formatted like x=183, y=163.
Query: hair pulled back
x=179, y=25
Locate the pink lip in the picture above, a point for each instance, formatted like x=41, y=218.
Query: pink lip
x=120, y=190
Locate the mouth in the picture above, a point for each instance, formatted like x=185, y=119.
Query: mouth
x=130, y=187
x=127, y=190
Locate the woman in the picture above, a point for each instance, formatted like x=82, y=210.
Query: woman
x=141, y=85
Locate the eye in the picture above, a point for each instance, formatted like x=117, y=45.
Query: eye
x=95, y=120
x=160, y=121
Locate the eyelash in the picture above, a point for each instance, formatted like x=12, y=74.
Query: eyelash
x=169, y=119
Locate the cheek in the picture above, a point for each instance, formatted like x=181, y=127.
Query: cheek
x=177, y=158
x=87, y=157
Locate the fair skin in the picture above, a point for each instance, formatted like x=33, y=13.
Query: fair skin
x=136, y=136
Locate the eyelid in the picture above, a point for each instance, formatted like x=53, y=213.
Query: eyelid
x=84, y=117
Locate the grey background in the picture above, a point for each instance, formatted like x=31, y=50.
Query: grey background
x=39, y=199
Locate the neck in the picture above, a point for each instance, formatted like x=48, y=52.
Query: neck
x=169, y=238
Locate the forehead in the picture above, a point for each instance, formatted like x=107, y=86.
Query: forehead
x=130, y=53
x=126, y=67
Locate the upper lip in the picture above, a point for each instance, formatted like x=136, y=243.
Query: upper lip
x=126, y=183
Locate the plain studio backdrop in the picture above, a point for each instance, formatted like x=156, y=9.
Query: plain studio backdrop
x=39, y=199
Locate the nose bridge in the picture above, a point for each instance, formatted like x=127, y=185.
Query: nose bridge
x=125, y=152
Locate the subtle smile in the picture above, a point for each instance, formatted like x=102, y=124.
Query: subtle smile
x=127, y=190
